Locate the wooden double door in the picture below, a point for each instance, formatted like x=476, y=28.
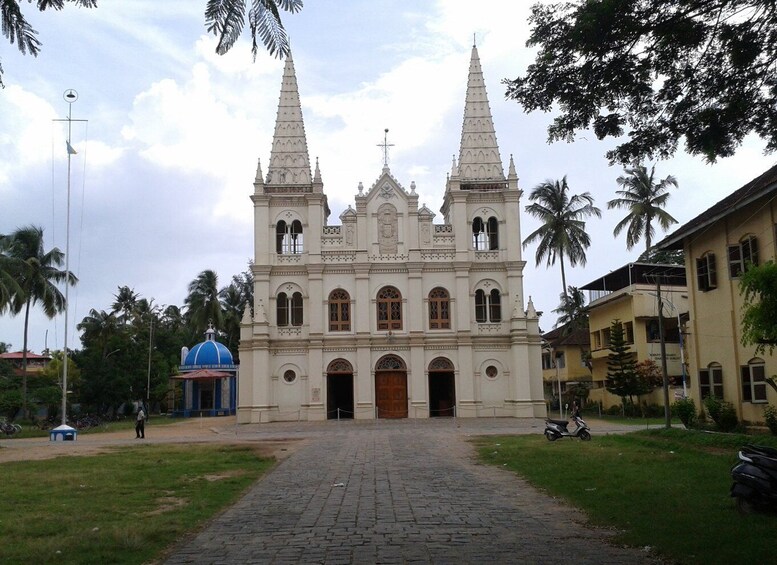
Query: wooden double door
x=391, y=394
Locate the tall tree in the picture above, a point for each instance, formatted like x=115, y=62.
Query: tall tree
x=622, y=378
x=657, y=70
x=202, y=303
x=224, y=18
x=126, y=300
x=36, y=273
x=8, y=285
x=98, y=328
x=572, y=310
x=562, y=232
x=645, y=199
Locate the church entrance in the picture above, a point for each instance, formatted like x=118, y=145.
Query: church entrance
x=339, y=390
x=442, y=388
x=391, y=387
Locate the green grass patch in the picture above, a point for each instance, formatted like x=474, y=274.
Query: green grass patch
x=30, y=431
x=667, y=489
x=121, y=507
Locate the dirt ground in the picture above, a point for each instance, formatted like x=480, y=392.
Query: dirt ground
x=208, y=430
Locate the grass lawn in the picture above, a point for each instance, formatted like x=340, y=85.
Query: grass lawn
x=667, y=489
x=121, y=507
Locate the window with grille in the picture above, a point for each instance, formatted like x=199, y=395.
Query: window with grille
x=389, y=309
x=339, y=311
x=439, y=309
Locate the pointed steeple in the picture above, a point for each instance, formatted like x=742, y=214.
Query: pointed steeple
x=479, y=158
x=289, y=160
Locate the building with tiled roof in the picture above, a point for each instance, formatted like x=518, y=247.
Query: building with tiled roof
x=719, y=244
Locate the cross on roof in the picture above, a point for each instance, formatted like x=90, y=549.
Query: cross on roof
x=385, y=145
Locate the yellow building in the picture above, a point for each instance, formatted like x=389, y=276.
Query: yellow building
x=630, y=294
x=566, y=365
x=718, y=244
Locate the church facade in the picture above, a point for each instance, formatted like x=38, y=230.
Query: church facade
x=388, y=314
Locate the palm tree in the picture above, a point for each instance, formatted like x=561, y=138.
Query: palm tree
x=99, y=327
x=125, y=303
x=562, y=232
x=645, y=200
x=572, y=310
x=36, y=274
x=202, y=303
x=8, y=285
x=232, y=306
x=226, y=18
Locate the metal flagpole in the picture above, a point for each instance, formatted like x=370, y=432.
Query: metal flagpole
x=64, y=431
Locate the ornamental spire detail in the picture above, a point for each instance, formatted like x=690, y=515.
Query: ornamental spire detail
x=479, y=158
x=289, y=160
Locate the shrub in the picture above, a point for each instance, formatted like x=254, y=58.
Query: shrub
x=685, y=409
x=613, y=410
x=770, y=415
x=722, y=413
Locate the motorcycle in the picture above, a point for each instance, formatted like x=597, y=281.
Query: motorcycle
x=555, y=429
x=755, y=479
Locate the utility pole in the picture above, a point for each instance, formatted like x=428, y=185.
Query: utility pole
x=667, y=414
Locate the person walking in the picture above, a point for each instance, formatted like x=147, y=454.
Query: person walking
x=140, y=424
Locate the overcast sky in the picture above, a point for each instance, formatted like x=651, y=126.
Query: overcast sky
x=161, y=182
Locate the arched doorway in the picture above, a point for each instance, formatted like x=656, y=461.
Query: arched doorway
x=442, y=388
x=339, y=390
x=391, y=387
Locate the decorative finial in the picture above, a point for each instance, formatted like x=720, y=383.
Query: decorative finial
x=361, y=188
x=412, y=187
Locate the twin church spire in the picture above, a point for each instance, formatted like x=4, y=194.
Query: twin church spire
x=479, y=157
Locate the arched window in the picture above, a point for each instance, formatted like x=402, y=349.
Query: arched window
x=495, y=306
x=754, y=381
x=439, y=309
x=742, y=255
x=289, y=309
x=485, y=234
x=339, y=311
x=493, y=233
x=488, y=307
x=389, y=309
x=288, y=238
x=478, y=235
x=711, y=381
x=283, y=309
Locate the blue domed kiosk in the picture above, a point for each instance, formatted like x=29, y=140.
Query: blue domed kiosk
x=208, y=380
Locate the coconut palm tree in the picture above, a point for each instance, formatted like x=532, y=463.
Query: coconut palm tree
x=202, y=303
x=562, y=233
x=8, y=285
x=572, y=310
x=36, y=273
x=125, y=303
x=645, y=199
x=99, y=327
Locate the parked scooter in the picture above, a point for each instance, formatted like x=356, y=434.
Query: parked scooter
x=555, y=429
x=755, y=479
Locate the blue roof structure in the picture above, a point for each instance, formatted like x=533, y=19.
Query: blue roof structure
x=209, y=354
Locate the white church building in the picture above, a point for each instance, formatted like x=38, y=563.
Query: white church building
x=389, y=314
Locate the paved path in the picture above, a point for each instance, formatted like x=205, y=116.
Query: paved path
x=396, y=492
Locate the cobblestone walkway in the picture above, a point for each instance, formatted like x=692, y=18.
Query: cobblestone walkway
x=399, y=492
